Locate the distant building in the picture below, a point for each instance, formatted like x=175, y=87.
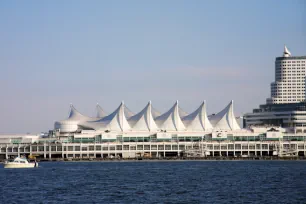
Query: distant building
x=287, y=106
x=289, y=85
x=290, y=116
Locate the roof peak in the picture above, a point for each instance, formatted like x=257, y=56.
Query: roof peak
x=286, y=53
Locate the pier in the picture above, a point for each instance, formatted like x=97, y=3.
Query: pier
x=157, y=150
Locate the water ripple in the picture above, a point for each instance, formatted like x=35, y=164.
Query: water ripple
x=156, y=182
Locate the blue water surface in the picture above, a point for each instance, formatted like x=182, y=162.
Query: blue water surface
x=156, y=182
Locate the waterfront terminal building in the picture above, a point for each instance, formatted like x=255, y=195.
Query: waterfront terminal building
x=175, y=133
x=274, y=129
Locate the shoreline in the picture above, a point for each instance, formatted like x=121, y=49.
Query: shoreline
x=177, y=159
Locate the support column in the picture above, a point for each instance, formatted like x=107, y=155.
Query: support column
x=81, y=151
x=31, y=149
x=18, y=150
x=50, y=154
x=234, y=149
x=150, y=150
x=108, y=154
x=87, y=151
x=178, y=149
x=95, y=154
x=6, y=154
x=63, y=149
x=143, y=150
x=248, y=149
x=73, y=148
x=45, y=153
x=101, y=150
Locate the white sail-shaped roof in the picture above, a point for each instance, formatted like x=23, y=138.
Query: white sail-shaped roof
x=155, y=113
x=144, y=120
x=170, y=120
x=75, y=115
x=100, y=112
x=225, y=120
x=74, y=120
x=198, y=120
x=128, y=113
x=182, y=113
x=115, y=121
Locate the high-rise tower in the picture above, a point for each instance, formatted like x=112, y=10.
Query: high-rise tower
x=289, y=85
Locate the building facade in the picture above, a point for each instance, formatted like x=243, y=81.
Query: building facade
x=286, y=108
x=289, y=84
x=291, y=116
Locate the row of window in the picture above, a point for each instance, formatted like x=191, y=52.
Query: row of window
x=293, y=65
x=284, y=62
x=289, y=87
x=289, y=91
x=287, y=68
x=283, y=96
x=285, y=100
x=291, y=81
x=289, y=71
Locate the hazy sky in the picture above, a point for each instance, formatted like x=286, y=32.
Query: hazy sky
x=53, y=53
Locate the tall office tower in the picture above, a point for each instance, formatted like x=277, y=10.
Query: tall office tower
x=289, y=85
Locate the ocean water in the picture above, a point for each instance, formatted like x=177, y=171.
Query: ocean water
x=156, y=182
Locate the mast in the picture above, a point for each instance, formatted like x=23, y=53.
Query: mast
x=149, y=115
x=122, y=115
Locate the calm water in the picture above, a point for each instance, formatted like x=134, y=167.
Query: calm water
x=156, y=182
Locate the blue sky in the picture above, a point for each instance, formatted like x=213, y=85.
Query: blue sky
x=54, y=53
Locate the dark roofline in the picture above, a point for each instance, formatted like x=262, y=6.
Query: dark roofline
x=291, y=58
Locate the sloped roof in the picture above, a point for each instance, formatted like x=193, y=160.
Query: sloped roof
x=128, y=113
x=170, y=120
x=198, y=120
x=182, y=113
x=144, y=120
x=75, y=115
x=155, y=113
x=225, y=120
x=100, y=112
x=115, y=121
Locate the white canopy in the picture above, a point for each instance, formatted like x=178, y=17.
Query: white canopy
x=225, y=120
x=144, y=120
x=198, y=120
x=75, y=115
x=150, y=120
x=115, y=121
x=100, y=112
x=171, y=120
x=155, y=113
